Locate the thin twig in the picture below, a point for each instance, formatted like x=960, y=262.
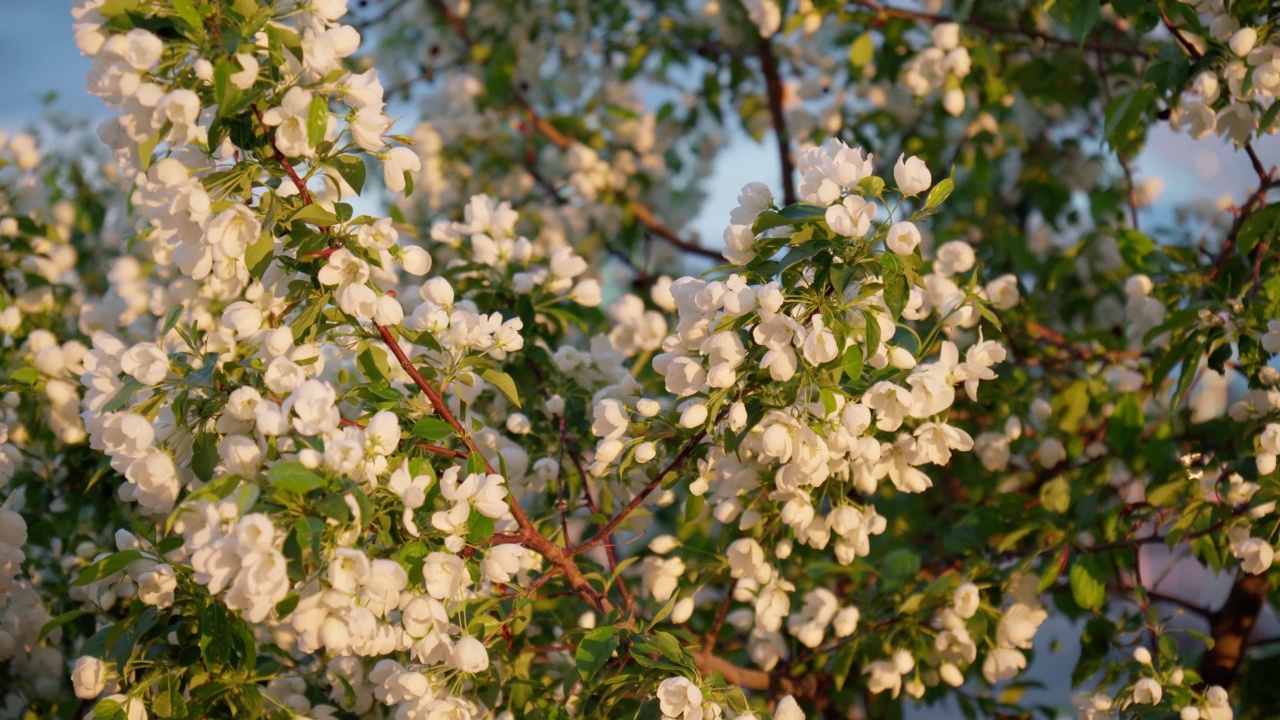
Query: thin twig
x=604, y=532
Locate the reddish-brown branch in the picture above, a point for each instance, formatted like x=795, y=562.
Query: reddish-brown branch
x=284, y=161
x=711, y=637
x=532, y=539
x=1230, y=627
x=610, y=553
x=773, y=88
x=603, y=534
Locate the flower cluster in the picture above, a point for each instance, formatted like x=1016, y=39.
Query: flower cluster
x=1231, y=96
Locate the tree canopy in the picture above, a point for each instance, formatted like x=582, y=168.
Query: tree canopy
x=364, y=363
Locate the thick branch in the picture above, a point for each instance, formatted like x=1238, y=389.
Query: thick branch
x=773, y=85
x=1230, y=627
x=810, y=686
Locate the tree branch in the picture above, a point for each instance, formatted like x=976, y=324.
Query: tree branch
x=1230, y=627
x=531, y=538
x=773, y=85
x=603, y=534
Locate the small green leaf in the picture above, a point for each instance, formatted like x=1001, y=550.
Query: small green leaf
x=1081, y=16
x=852, y=363
x=1088, y=586
x=317, y=120
x=1055, y=496
x=217, y=489
x=334, y=507
x=258, y=255
x=204, y=455
x=433, y=429
x=940, y=192
x=862, y=50
x=25, y=376
x=225, y=93
x=373, y=363
x=59, y=621
x=476, y=464
x=900, y=564
x=895, y=284
x=1263, y=222
x=595, y=650
x=215, y=635
x=504, y=384
x=122, y=396
x=843, y=665
x=187, y=12
x=294, y=477
x=351, y=168
x=109, y=565
x=479, y=528
x=315, y=215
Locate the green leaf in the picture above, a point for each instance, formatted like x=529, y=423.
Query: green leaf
x=317, y=119
x=109, y=565
x=479, y=528
x=1055, y=496
x=1088, y=584
x=168, y=701
x=258, y=255
x=306, y=320
x=595, y=650
x=1135, y=248
x=217, y=489
x=294, y=477
x=940, y=192
x=1081, y=16
x=315, y=215
x=204, y=455
x=476, y=464
x=852, y=363
x=433, y=429
x=504, y=384
x=351, y=168
x=121, y=398
x=1126, y=423
x=373, y=363
x=188, y=13
x=59, y=621
x=334, y=507
x=1125, y=125
x=108, y=710
x=895, y=284
x=1263, y=222
x=872, y=331
x=215, y=635
x=25, y=376
x=225, y=94
x=843, y=665
x=900, y=564
x=862, y=50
